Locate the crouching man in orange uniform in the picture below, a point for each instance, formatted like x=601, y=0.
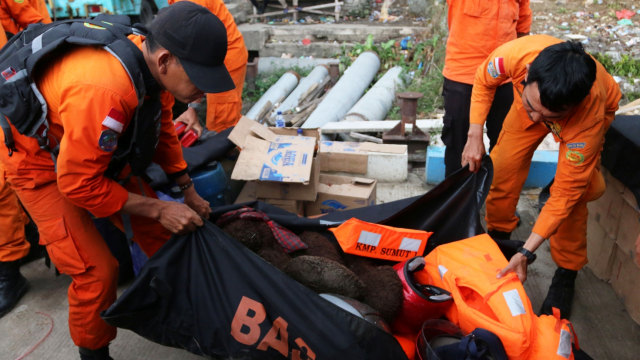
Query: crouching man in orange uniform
x=91, y=101
x=562, y=90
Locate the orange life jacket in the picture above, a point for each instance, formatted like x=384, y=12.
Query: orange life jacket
x=553, y=338
x=362, y=238
x=468, y=269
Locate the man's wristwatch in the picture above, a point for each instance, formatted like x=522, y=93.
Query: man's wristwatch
x=531, y=257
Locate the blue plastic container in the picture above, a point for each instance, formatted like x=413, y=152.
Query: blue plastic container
x=211, y=183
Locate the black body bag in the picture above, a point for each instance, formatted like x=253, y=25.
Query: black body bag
x=205, y=292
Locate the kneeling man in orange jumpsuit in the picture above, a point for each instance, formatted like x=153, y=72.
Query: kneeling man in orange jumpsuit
x=91, y=103
x=562, y=90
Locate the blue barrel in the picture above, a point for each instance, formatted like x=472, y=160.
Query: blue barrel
x=211, y=183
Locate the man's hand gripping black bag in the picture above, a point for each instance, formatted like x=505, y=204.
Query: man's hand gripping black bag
x=208, y=294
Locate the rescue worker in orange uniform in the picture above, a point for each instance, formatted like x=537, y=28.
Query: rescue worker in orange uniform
x=476, y=28
x=562, y=90
x=13, y=247
x=41, y=7
x=16, y=15
x=91, y=101
x=13, y=241
x=223, y=109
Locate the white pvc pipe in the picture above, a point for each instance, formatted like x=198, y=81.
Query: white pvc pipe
x=346, y=91
x=276, y=93
x=316, y=76
x=375, y=104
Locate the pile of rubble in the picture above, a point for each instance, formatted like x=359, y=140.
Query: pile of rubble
x=601, y=26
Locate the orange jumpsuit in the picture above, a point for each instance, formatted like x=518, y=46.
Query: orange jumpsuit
x=478, y=27
x=475, y=29
x=15, y=15
x=578, y=180
x=13, y=243
x=82, y=89
x=224, y=109
x=3, y=36
x=41, y=7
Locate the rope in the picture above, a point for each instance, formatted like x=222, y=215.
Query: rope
x=30, y=350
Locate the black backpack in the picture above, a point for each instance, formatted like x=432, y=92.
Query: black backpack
x=23, y=106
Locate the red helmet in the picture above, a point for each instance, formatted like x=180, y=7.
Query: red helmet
x=421, y=301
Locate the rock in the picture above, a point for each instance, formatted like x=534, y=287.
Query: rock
x=325, y=276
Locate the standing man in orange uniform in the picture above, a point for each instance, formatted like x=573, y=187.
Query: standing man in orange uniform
x=476, y=28
x=94, y=113
x=16, y=15
x=223, y=109
x=559, y=89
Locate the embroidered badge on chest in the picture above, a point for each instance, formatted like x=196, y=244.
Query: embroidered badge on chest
x=108, y=140
x=575, y=157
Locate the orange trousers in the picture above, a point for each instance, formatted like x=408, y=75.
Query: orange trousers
x=511, y=161
x=224, y=109
x=78, y=250
x=13, y=243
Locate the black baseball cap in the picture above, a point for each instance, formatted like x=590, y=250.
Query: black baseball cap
x=199, y=40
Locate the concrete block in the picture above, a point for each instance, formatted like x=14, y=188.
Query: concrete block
x=387, y=167
x=542, y=170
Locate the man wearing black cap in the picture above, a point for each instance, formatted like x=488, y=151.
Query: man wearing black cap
x=93, y=105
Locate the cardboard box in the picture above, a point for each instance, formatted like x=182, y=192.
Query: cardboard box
x=289, y=131
x=336, y=193
x=291, y=191
x=248, y=193
x=628, y=228
x=624, y=280
x=353, y=157
x=606, y=209
x=292, y=206
x=270, y=157
x=601, y=250
x=248, y=129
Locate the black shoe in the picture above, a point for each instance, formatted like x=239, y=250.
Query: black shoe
x=12, y=285
x=98, y=354
x=560, y=293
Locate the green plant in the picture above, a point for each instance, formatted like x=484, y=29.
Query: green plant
x=626, y=66
x=421, y=60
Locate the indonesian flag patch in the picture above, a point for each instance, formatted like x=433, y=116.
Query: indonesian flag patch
x=114, y=121
x=496, y=67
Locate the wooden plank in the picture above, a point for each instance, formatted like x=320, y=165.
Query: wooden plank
x=310, y=9
x=337, y=127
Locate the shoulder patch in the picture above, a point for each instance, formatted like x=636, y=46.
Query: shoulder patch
x=108, y=140
x=114, y=121
x=496, y=67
